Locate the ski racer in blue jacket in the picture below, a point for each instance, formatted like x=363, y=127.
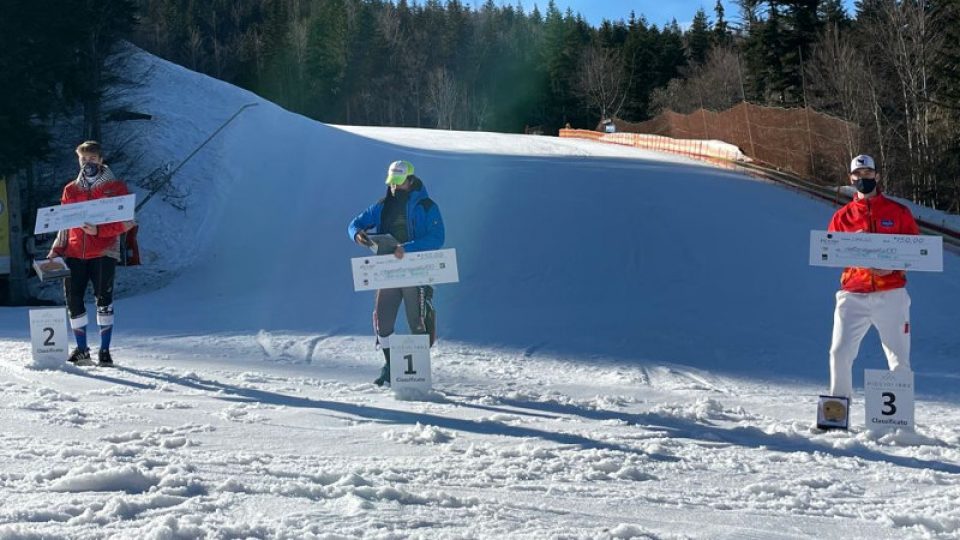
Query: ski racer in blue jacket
x=408, y=214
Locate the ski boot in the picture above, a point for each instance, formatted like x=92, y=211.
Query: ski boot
x=384, y=378
x=80, y=357
x=104, y=358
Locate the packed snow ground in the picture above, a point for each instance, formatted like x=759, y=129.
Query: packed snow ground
x=634, y=350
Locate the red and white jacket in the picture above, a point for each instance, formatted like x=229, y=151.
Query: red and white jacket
x=876, y=214
x=77, y=244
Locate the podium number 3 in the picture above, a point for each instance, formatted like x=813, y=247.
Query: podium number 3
x=888, y=399
x=49, y=340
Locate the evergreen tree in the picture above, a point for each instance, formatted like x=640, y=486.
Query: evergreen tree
x=558, y=65
x=721, y=30
x=640, y=57
x=775, y=47
x=833, y=14
x=325, y=59
x=947, y=74
x=275, y=78
x=801, y=30
x=698, y=38
x=947, y=15
x=51, y=64
x=670, y=57
x=37, y=47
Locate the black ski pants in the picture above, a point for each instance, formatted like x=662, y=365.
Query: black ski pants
x=100, y=272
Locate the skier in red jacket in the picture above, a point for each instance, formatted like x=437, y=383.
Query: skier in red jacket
x=91, y=252
x=869, y=296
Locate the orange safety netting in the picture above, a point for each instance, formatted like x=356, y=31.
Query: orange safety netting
x=802, y=141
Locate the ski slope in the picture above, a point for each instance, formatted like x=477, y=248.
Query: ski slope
x=633, y=351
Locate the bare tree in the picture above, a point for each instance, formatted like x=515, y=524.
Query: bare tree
x=603, y=80
x=257, y=45
x=195, y=48
x=389, y=26
x=717, y=81
x=299, y=39
x=907, y=42
x=714, y=85
x=409, y=60
x=442, y=97
x=479, y=112
x=676, y=96
x=840, y=83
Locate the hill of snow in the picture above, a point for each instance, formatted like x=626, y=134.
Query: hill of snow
x=634, y=350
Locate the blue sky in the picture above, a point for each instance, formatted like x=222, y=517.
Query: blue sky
x=659, y=12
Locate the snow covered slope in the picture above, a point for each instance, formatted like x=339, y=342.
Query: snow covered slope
x=612, y=251
x=633, y=351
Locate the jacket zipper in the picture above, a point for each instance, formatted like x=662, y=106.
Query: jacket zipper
x=83, y=245
x=870, y=228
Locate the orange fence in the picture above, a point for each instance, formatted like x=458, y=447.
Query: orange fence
x=715, y=151
x=802, y=141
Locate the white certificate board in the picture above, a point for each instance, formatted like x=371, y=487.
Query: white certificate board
x=410, y=365
x=51, y=219
x=417, y=268
x=48, y=336
x=888, y=399
x=871, y=250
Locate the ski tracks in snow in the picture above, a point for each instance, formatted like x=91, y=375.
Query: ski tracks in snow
x=276, y=435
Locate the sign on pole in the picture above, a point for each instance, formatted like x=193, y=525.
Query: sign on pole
x=888, y=399
x=410, y=365
x=417, y=268
x=51, y=219
x=49, y=337
x=870, y=250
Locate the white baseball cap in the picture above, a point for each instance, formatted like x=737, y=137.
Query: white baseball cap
x=862, y=161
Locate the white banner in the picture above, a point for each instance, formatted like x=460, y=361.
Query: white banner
x=410, y=365
x=888, y=399
x=49, y=337
x=882, y=251
x=51, y=219
x=418, y=268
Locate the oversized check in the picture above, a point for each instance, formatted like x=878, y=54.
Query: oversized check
x=417, y=268
x=883, y=251
x=96, y=212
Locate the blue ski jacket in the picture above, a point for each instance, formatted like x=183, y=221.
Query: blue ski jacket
x=424, y=224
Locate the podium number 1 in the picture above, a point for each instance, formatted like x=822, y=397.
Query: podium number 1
x=409, y=359
x=49, y=341
x=888, y=399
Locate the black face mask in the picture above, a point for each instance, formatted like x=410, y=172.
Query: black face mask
x=91, y=169
x=866, y=185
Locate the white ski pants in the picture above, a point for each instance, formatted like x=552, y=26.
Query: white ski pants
x=889, y=311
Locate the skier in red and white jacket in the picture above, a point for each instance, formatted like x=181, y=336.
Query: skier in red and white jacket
x=869, y=296
x=91, y=252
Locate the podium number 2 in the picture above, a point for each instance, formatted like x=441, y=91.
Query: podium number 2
x=49, y=341
x=888, y=399
x=409, y=359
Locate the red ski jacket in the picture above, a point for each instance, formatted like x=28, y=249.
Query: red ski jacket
x=75, y=243
x=876, y=214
